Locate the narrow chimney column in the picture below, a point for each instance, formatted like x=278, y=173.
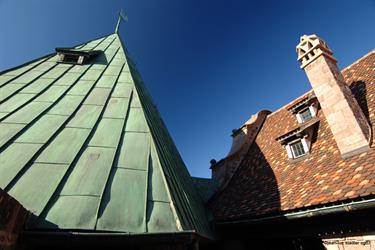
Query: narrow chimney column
x=345, y=118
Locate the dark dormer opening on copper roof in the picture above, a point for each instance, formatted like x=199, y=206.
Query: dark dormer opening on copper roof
x=74, y=56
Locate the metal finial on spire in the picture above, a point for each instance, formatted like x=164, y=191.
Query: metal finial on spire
x=121, y=16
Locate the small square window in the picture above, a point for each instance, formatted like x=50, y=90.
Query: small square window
x=297, y=149
x=69, y=58
x=306, y=115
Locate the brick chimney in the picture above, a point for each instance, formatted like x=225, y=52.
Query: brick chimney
x=345, y=118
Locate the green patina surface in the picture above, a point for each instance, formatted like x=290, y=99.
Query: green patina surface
x=84, y=148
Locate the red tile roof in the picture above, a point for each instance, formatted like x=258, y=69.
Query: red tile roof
x=268, y=181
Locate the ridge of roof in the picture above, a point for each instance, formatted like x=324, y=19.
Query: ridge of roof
x=304, y=95
x=190, y=206
x=358, y=60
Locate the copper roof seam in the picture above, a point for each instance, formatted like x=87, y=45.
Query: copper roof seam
x=100, y=210
x=96, y=146
x=89, y=195
x=135, y=169
x=46, y=57
x=28, y=143
x=34, y=97
x=189, y=203
x=3, y=147
x=85, y=144
x=28, y=125
x=185, y=207
x=155, y=134
x=47, y=87
x=172, y=204
x=65, y=176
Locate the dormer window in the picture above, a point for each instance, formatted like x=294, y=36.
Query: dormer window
x=74, y=56
x=297, y=148
x=306, y=114
x=297, y=142
x=305, y=109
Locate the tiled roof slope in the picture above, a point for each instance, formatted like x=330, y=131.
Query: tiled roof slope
x=83, y=148
x=267, y=182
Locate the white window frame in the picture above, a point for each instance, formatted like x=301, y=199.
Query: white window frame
x=305, y=145
x=313, y=111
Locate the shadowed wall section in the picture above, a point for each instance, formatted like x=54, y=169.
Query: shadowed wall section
x=12, y=218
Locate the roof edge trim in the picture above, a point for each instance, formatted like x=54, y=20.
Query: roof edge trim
x=48, y=238
x=358, y=60
x=348, y=207
x=28, y=62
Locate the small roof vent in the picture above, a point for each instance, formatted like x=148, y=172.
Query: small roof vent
x=74, y=56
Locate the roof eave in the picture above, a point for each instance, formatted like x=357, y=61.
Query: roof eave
x=109, y=239
x=308, y=213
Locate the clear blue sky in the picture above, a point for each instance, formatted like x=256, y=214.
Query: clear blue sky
x=209, y=65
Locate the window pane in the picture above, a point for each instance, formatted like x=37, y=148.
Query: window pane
x=306, y=115
x=297, y=149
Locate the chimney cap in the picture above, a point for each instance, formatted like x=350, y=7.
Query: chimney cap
x=310, y=47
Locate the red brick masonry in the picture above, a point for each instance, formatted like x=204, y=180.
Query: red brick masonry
x=269, y=182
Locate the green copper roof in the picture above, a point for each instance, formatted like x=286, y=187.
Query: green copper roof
x=84, y=148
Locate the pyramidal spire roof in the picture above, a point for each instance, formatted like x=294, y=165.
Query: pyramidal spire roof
x=84, y=148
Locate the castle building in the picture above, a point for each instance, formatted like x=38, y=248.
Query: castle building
x=87, y=162
x=305, y=172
